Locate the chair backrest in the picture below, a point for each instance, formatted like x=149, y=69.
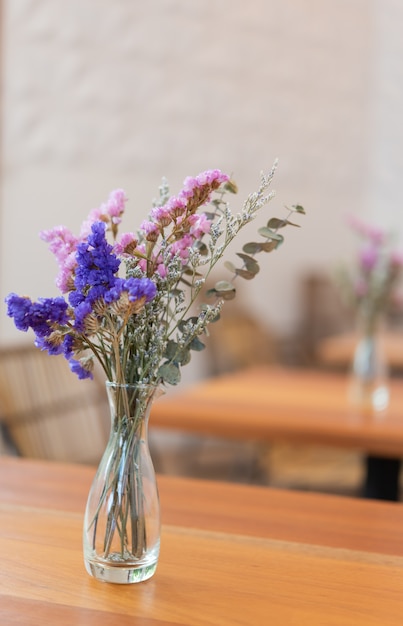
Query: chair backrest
x=238, y=341
x=48, y=413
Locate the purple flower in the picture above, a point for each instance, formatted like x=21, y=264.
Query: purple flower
x=77, y=368
x=53, y=348
x=68, y=346
x=80, y=313
x=136, y=288
x=96, y=262
x=41, y=316
x=19, y=308
x=47, y=312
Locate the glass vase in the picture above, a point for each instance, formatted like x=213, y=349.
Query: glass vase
x=369, y=390
x=121, y=538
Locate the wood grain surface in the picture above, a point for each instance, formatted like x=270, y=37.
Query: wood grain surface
x=231, y=554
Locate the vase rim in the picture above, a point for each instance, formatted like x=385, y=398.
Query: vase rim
x=111, y=383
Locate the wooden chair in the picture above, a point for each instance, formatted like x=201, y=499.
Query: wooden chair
x=47, y=412
x=237, y=341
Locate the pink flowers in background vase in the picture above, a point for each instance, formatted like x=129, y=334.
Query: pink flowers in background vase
x=370, y=286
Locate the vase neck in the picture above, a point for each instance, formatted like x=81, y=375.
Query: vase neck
x=369, y=325
x=131, y=403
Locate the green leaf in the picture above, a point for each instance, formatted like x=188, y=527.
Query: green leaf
x=250, y=263
x=270, y=234
x=182, y=323
x=245, y=274
x=230, y=266
x=171, y=350
x=298, y=209
x=276, y=222
x=268, y=246
x=183, y=357
x=196, y=345
x=252, y=248
x=223, y=289
x=201, y=248
x=223, y=285
x=170, y=373
x=226, y=295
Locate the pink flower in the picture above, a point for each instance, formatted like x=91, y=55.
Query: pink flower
x=181, y=247
x=95, y=215
x=375, y=234
x=176, y=206
x=115, y=206
x=150, y=230
x=161, y=270
x=110, y=211
x=65, y=278
x=61, y=242
x=209, y=178
x=126, y=245
x=161, y=215
x=200, y=225
x=396, y=259
x=368, y=257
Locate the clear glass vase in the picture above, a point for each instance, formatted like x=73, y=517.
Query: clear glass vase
x=121, y=538
x=369, y=390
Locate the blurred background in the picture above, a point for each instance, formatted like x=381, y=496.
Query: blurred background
x=98, y=95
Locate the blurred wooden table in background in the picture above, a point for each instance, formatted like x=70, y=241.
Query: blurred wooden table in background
x=338, y=350
x=307, y=407
x=293, y=405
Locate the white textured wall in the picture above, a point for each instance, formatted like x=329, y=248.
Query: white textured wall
x=101, y=94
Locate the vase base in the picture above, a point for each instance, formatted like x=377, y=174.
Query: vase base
x=369, y=398
x=120, y=574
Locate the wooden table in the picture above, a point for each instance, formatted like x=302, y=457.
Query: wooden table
x=270, y=404
x=231, y=555
x=338, y=350
x=293, y=405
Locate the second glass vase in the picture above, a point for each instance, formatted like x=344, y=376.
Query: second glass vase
x=369, y=389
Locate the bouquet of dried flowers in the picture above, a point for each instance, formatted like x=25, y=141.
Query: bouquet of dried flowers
x=128, y=300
